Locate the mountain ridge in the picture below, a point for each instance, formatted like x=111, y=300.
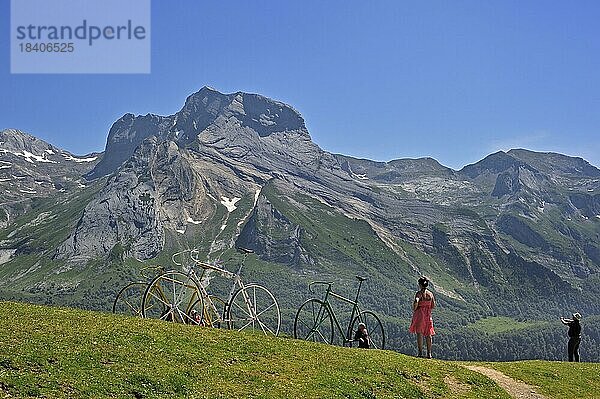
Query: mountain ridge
x=590, y=168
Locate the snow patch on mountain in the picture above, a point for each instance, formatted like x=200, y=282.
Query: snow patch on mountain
x=73, y=159
x=256, y=195
x=31, y=158
x=230, y=203
x=6, y=254
x=192, y=221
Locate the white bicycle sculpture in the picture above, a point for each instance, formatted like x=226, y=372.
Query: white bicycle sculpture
x=181, y=297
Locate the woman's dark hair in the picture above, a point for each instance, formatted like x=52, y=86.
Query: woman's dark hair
x=423, y=282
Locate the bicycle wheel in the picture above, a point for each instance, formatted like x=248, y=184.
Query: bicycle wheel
x=129, y=300
x=374, y=329
x=170, y=297
x=314, y=322
x=211, y=314
x=254, y=307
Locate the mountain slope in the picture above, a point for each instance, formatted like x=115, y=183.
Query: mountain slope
x=58, y=352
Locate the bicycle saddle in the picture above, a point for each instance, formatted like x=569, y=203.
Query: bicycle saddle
x=359, y=278
x=245, y=250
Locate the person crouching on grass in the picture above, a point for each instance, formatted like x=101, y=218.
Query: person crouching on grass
x=362, y=336
x=422, y=323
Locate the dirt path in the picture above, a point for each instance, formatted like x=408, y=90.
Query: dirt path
x=517, y=389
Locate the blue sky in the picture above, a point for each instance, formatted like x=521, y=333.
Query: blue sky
x=381, y=80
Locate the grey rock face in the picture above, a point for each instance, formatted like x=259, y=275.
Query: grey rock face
x=150, y=192
x=216, y=145
x=273, y=236
x=507, y=183
x=260, y=114
x=521, y=232
x=587, y=204
x=124, y=137
x=520, y=178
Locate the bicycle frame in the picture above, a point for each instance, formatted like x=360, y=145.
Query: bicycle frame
x=355, y=308
x=236, y=285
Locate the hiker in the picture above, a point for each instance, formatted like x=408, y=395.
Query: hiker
x=574, y=336
x=422, y=323
x=362, y=336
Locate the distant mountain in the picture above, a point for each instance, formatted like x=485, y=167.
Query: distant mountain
x=396, y=171
x=30, y=167
x=516, y=234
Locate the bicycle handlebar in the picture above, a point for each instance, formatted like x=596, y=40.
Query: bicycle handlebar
x=194, y=254
x=176, y=254
x=328, y=283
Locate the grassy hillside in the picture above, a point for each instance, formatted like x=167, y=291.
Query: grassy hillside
x=555, y=380
x=57, y=352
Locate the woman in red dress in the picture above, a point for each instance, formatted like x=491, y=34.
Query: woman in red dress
x=422, y=323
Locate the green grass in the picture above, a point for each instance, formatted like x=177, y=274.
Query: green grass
x=500, y=324
x=57, y=352
x=556, y=379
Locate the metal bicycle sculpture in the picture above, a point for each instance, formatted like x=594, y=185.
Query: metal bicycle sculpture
x=315, y=319
x=182, y=297
x=129, y=299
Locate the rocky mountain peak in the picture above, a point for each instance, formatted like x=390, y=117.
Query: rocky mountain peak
x=256, y=115
x=423, y=165
x=395, y=171
x=497, y=162
x=13, y=140
x=551, y=162
x=261, y=114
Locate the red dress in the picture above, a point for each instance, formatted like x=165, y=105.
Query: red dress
x=422, y=323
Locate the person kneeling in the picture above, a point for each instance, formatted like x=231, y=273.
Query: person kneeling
x=362, y=336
